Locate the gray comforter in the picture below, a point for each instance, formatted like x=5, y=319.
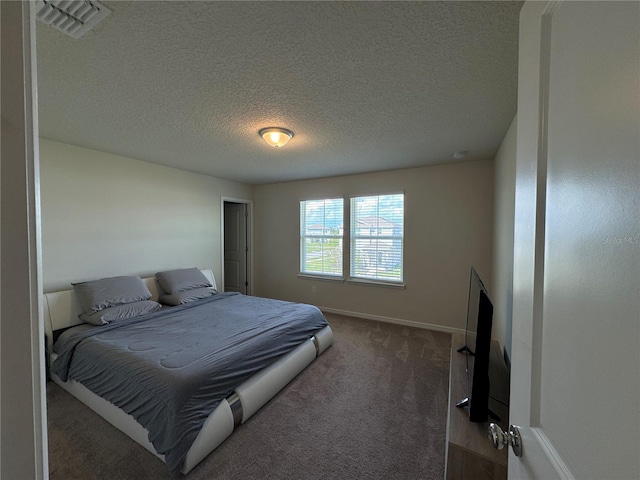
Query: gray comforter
x=170, y=369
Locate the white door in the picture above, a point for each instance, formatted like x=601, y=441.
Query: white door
x=235, y=248
x=575, y=387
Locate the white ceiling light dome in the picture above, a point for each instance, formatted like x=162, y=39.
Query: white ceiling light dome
x=276, y=136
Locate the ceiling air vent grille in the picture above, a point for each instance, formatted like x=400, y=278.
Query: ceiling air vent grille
x=72, y=17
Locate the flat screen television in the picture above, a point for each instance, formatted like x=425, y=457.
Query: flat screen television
x=477, y=349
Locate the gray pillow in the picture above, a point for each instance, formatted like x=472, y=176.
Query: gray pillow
x=120, y=312
x=174, y=281
x=109, y=292
x=186, y=296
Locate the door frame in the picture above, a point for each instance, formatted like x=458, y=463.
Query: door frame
x=249, y=204
x=22, y=379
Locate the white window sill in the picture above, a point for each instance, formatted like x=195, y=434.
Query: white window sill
x=376, y=283
x=353, y=281
x=322, y=278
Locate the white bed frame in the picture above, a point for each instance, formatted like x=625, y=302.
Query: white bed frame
x=61, y=310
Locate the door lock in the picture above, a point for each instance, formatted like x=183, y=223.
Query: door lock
x=500, y=438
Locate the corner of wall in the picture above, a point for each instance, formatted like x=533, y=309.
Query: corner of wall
x=504, y=211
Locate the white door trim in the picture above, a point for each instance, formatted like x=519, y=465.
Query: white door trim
x=22, y=376
x=550, y=452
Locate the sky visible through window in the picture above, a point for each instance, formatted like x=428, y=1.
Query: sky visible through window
x=324, y=212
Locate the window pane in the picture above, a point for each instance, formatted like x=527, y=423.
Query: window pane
x=322, y=256
x=321, y=230
x=377, y=231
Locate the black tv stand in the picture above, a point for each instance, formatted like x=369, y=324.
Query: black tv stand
x=465, y=403
x=466, y=349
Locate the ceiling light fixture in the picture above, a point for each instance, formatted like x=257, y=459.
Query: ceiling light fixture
x=276, y=136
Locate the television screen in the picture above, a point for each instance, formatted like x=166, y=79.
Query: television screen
x=477, y=348
x=473, y=305
x=478, y=374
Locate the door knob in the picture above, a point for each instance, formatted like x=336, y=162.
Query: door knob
x=500, y=438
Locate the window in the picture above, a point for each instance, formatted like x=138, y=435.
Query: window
x=321, y=230
x=377, y=237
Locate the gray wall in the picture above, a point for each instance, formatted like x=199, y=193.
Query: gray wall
x=448, y=228
x=505, y=191
x=106, y=215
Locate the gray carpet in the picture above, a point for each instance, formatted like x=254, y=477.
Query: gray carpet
x=373, y=406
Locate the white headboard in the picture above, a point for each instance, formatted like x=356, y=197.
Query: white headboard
x=61, y=309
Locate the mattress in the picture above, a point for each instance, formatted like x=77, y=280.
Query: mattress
x=170, y=369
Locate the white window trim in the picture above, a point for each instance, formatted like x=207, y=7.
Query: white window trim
x=314, y=275
x=346, y=248
x=349, y=240
x=376, y=283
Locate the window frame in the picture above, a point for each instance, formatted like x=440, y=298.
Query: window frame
x=353, y=237
x=304, y=236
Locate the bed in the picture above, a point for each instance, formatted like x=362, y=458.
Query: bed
x=275, y=341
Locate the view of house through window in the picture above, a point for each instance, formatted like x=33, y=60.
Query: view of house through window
x=321, y=231
x=377, y=231
x=376, y=237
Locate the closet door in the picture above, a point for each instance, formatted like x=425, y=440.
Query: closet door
x=235, y=248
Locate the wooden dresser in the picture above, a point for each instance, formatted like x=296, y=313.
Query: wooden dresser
x=470, y=455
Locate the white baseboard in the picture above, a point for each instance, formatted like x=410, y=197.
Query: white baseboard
x=397, y=321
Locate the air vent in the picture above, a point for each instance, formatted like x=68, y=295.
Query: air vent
x=71, y=17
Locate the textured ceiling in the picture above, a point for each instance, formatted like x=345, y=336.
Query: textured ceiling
x=365, y=86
